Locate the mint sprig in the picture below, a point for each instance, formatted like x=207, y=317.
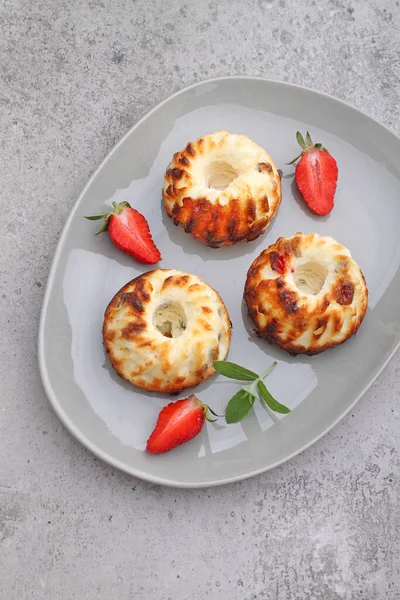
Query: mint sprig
x=241, y=403
x=233, y=371
x=270, y=400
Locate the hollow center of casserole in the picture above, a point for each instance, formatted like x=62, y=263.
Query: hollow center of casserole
x=170, y=319
x=219, y=175
x=310, y=277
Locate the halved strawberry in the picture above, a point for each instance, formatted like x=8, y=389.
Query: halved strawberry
x=316, y=175
x=178, y=423
x=130, y=232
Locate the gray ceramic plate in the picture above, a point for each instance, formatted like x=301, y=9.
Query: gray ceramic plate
x=113, y=419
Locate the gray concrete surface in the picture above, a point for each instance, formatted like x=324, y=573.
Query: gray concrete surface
x=74, y=76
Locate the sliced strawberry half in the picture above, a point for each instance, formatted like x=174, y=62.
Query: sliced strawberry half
x=316, y=175
x=130, y=232
x=178, y=423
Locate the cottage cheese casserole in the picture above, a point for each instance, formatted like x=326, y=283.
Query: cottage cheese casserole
x=163, y=330
x=306, y=294
x=223, y=188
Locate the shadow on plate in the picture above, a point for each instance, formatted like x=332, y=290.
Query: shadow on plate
x=303, y=204
x=129, y=387
x=274, y=352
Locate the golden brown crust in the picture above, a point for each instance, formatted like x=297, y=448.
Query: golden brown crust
x=147, y=358
x=240, y=212
x=302, y=322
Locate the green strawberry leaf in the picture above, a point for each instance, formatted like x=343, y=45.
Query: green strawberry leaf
x=300, y=140
x=238, y=406
x=104, y=227
x=96, y=217
x=207, y=411
x=270, y=400
x=212, y=411
x=233, y=371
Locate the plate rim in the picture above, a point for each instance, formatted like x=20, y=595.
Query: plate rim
x=52, y=397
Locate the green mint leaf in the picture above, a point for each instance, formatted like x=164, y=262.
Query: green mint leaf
x=270, y=400
x=238, y=406
x=224, y=367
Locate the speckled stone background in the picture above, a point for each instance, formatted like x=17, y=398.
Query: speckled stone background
x=74, y=76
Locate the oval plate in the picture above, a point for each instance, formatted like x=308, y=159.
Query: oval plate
x=113, y=419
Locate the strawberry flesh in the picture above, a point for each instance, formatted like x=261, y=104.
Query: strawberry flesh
x=177, y=423
x=316, y=175
x=316, y=178
x=130, y=232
